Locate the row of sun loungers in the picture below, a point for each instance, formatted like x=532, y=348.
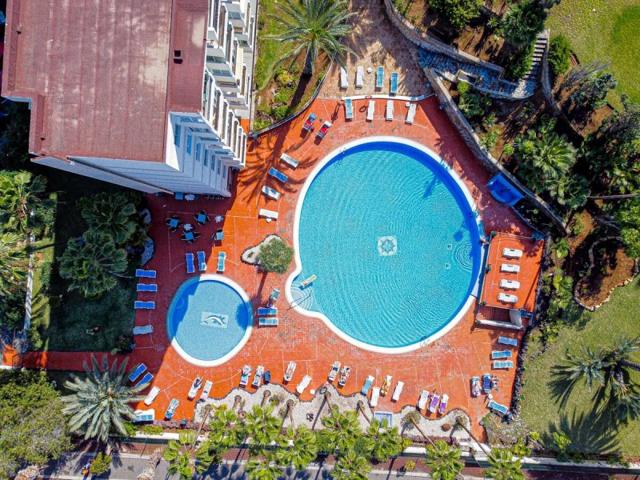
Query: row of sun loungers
x=509, y=284
x=437, y=403
x=202, y=262
x=371, y=108
x=267, y=316
x=379, y=83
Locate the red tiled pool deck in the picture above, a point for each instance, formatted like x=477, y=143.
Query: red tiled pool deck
x=445, y=365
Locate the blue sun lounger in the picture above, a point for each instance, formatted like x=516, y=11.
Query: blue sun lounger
x=394, y=83
x=348, y=109
x=222, y=257
x=140, y=305
x=188, y=258
x=277, y=174
x=500, y=354
x=147, y=287
x=142, y=273
x=202, y=261
x=267, y=311
x=379, y=77
x=367, y=385
x=267, y=321
x=139, y=370
x=506, y=364
x=498, y=408
x=513, y=342
x=146, y=380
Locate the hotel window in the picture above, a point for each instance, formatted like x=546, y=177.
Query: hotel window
x=189, y=143
x=219, y=165
x=224, y=173
x=198, y=151
x=213, y=164
x=206, y=158
x=176, y=135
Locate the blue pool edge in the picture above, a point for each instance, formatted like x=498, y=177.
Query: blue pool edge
x=239, y=346
x=298, y=262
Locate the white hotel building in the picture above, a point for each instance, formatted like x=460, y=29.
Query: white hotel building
x=154, y=95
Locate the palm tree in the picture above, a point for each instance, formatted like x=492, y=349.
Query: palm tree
x=111, y=213
x=523, y=22
x=178, y=454
x=444, y=461
x=100, y=400
x=224, y=433
x=262, y=469
x=504, y=466
x=315, y=26
x=386, y=442
x=610, y=370
x=412, y=420
x=149, y=471
x=341, y=430
x=351, y=466
x=20, y=202
x=92, y=263
x=298, y=448
x=14, y=263
x=261, y=426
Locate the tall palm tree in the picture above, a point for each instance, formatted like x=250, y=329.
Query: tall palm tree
x=351, y=466
x=178, y=454
x=444, y=461
x=341, y=429
x=385, y=442
x=503, y=465
x=262, y=469
x=20, y=199
x=315, y=26
x=298, y=448
x=100, y=400
x=14, y=262
x=412, y=420
x=111, y=213
x=92, y=263
x=261, y=427
x=149, y=471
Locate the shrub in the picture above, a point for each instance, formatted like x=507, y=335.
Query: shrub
x=130, y=428
x=471, y=103
x=457, y=12
x=520, y=63
x=409, y=466
x=561, y=443
x=101, y=464
x=260, y=123
x=280, y=112
x=523, y=22
x=559, y=56
x=275, y=256
x=489, y=139
x=284, y=78
x=152, y=430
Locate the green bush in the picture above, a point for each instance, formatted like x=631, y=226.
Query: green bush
x=275, y=256
x=523, y=22
x=520, y=63
x=152, y=430
x=457, y=12
x=280, y=112
x=260, y=123
x=559, y=56
x=101, y=464
x=284, y=78
x=130, y=428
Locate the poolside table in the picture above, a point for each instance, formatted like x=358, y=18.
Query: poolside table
x=202, y=218
x=173, y=223
x=188, y=237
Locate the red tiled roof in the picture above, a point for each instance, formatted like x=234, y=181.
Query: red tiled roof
x=101, y=69
x=527, y=276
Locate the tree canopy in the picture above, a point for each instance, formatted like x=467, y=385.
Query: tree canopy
x=113, y=213
x=457, y=12
x=275, y=256
x=33, y=426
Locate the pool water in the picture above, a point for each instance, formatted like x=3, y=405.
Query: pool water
x=209, y=319
x=393, y=241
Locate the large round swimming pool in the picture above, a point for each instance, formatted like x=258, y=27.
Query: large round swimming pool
x=209, y=319
x=389, y=233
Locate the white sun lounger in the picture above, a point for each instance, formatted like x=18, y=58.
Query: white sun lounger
x=202, y=261
x=422, y=401
x=509, y=284
x=397, y=392
x=389, y=114
x=411, y=113
x=271, y=192
x=375, y=395
x=151, y=396
x=344, y=81
x=289, y=160
x=144, y=416
x=302, y=386
x=360, y=77
x=268, y=214
x=498, y=408
x=288, y=374
x=267, y=321
x=371, y=110
x=143, y=329
x=348, y=109
x=206, y=390
x=509, y=268
x=507, y=298
x=502, y=364
x=512, y=342
x=512, y=252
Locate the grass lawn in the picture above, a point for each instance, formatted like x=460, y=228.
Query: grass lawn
x=542, y=410
x=606, y=31
x=270, y=51
x=64, y=320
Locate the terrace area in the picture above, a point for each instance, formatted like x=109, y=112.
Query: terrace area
x=444, y=366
